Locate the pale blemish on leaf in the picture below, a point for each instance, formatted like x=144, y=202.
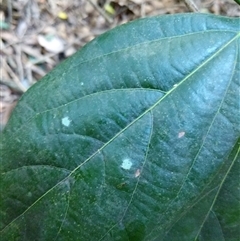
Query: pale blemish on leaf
x=126, y=164
x=181, y=134
x=137, y=173
x=66, y=121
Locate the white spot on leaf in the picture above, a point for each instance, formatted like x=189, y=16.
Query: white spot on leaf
x=126, y=164
x=137, y=173
x=66, y=121
x=181, y=134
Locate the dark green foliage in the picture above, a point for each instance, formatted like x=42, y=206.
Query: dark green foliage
x=134, y=138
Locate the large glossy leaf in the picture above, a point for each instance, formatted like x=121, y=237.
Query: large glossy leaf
x=136, y=137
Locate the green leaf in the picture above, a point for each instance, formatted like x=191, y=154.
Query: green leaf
x=135, y=137
x=237, y=1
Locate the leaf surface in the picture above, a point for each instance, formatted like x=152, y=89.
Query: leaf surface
x=135, y=137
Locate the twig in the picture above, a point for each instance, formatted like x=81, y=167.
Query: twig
x=46, y=58
x=19, y=62
x=143, y=13
x=108, y=19
x=191, y=5
x=14, y=76
x=216, y=7
x=28, y=16
x=9, y=6
x=29, y=75
x=37, y=70
x=12, y=85
x=52, y=6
